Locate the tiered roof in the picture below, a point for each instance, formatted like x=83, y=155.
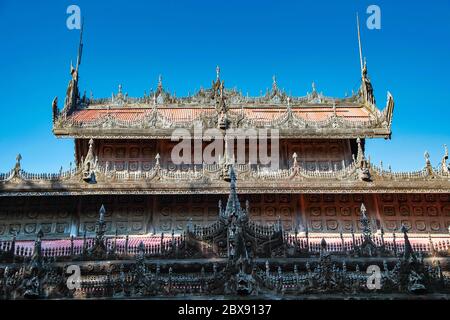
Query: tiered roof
x=155, y=115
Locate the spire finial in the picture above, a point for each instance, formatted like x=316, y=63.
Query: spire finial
x=360, y=156
x=445, y=168
x=365, y=222
x=217, y=72
x=427, y=157
x=80, y=45
x=359, y=43
x=160, y=81
x=313, y=85
x=102, y=213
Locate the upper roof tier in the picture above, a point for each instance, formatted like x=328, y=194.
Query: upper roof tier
x=157, y=114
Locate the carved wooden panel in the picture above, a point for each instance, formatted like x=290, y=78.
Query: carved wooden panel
x=173, y=212
x=267, y=208
x=26, y=216
x=134, y=155
x=419, y=212
x=335, y=213
x=322, y=155
x=124, y=214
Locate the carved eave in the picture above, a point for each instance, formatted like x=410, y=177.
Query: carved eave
x=215, y=185
x=312, y=133
x=330, y=119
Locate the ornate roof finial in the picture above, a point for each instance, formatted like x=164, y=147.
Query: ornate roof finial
x=428, y=166
x=274, y=83
x=120, y=89
x=217, y=72
x=360, y=156
x=18, y=158
x=313, y=85
x=160, y=82
x=17, y=167
x=80, y=46
x=233, y=205
x=359, y=43
x=445, y=168
x=408, y=253
x=102, y=214
x=367, y=231
x=294, y=156
x=100, y=229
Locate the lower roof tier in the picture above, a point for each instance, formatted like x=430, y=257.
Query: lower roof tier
x=171, y=184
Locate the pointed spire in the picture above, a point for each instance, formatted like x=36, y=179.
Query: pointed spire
x=102, y=212
x=408, y=248
x=359, y=43
x=274, y=83
x=18, y=159
x=445, y=168
x=428, y=166
x=100, y=227
x=313, y=85
x=233, y=205
x=367, y=231
x=294, y=156
x=157, y=157
x=217, y=72
x=160, y=82
x=360, y=155
x=80, y=46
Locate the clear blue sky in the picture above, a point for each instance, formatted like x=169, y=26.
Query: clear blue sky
x=131, y=42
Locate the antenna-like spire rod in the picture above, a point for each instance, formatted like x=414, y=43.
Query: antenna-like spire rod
x=80, y=46
x=359, y=43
